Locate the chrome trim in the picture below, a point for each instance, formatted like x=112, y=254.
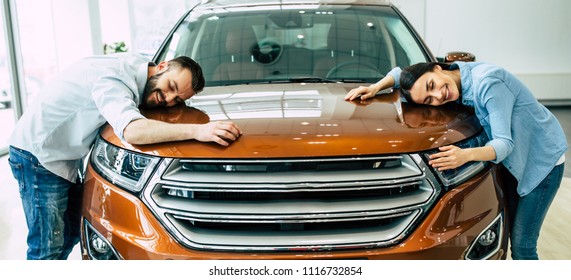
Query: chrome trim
x=294, y=187
x=286, y=178
x=277, y=220
x=295, y=218
x=304, y=208
x=318, y=241
x=178, y=214
x=234, y=161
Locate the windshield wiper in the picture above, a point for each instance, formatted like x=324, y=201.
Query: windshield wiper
x=311, y=80
x=353, y=80
x=297, y=80
x=317, y=80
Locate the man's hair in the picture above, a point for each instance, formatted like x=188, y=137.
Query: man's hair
x=410, y=74
x=185, y=62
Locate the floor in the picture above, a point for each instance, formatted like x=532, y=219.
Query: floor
x=554, y=241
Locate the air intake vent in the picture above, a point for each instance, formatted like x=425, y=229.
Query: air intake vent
x=293, y=204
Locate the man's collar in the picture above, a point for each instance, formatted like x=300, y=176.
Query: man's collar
x=142, y=76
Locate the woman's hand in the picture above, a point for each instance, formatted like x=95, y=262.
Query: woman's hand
x=449, y=157
x=362, y=92
x=370, y=91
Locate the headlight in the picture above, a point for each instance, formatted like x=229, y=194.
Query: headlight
x=456, y=176
x=121, y=167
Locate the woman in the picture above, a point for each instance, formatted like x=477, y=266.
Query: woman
x=525, y=137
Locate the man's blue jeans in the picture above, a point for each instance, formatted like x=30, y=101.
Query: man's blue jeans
x=52, y=206
x=530, y=213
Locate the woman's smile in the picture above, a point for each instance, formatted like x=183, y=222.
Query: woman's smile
x=446, y=93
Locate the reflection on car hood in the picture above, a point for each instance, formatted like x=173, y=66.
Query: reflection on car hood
x=309, y=120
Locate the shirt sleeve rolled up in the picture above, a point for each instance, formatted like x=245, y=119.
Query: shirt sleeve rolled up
x=116, y=103
x=498, y=102
x=395, y=73
x=502, y=148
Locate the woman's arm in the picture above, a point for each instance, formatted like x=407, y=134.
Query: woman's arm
x=370, y=91
x=496, y=101
x=390, y=80
x=148, y=131
x=451, y=157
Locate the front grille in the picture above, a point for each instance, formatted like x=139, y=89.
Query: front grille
x=293, y=204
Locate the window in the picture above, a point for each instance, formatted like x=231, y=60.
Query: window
x=6, y=112
x=359, y=44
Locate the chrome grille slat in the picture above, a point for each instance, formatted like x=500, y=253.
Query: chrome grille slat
x=296, y=187
x=304, y=219
x=407, y=171
x=240, y=205
x=246, y=161
x=286, y=178
x=293, y=206
x=294, y=240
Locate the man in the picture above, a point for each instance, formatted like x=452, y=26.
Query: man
x=57, y=131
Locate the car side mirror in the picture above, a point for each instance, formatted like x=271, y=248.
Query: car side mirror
x=457, y=56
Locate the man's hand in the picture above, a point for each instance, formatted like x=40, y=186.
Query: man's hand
x=220, y=132
x=449, y=157
x=149, y=131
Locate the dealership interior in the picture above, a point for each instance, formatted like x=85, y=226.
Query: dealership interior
x=40, y=38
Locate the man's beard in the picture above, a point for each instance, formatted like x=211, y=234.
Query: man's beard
x=151, y=88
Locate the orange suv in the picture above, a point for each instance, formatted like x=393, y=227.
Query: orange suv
x=313, y=176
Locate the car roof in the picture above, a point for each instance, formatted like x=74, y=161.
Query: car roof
x=233, y=3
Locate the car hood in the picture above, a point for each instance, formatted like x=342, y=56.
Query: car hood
x=309, y=120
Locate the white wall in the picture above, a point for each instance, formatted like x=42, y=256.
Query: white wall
x=72, y=31
x=116, y=23
x=527, y=37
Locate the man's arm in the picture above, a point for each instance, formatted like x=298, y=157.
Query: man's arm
x=115, y=101
x=148, y=131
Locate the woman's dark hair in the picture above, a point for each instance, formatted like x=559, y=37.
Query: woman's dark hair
x=410, y=74
x=185, y=62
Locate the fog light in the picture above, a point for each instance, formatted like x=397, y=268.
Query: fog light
x=488, y=238
x=98, y=247
x=488, y=241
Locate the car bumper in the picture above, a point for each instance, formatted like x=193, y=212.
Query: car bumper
x=448, y=231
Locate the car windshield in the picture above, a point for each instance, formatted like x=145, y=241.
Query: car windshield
x=298, y=44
